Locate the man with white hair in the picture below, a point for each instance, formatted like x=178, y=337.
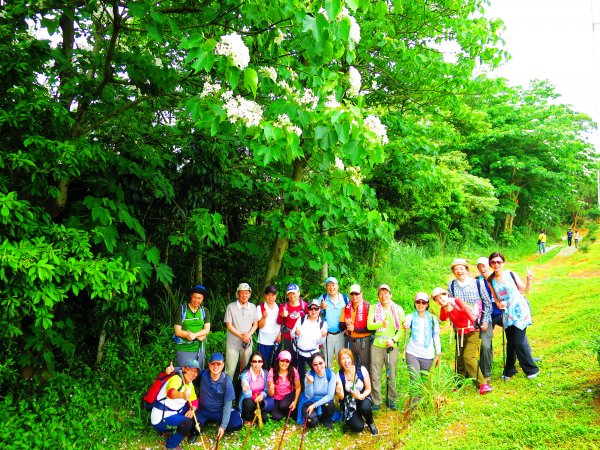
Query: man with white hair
x=241, y=323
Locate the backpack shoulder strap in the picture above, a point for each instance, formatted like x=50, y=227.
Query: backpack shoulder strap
x=328, y=374
x=452, y=284
x=183, y=312
x=346, y=301
x=512, y=275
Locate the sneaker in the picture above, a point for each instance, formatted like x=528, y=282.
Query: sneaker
x=391, y=405
x=375, y=408
x=485, y=388
x=537, y=360
x=506, y=378
x=533, y=375
x=329, y=425
x=373, y=429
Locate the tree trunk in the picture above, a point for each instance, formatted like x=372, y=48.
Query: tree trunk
x=508, y=223
x=198, y=275
x=101, y=344
x=281, y=243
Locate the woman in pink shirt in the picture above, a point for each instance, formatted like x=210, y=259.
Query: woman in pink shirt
x=254, y=389
x=283, y=384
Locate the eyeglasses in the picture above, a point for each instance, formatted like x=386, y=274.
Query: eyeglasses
x=420, y=302
x=287, y=361
x=314, y=308
x=316, y=364
x=497, y=261
x=257, y=361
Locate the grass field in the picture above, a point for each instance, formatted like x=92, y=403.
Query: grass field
x=557, y=410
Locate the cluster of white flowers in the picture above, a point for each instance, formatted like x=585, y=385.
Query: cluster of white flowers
x=373, y=124
x=231, y=45
x=238, y=108
x=355, y=175
x=339, y=163
x=280, y=37
x=268, y=72
x=354, y=80
x=332, y=102
x=354, y=26
x=283, y=121
x=283, y=84
x=309, y=98
x=210, y=88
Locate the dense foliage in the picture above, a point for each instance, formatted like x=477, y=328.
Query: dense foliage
x=150, y=145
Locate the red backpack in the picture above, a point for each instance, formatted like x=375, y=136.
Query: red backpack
x=150, y=397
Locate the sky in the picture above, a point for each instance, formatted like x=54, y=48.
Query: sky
x=554, y=40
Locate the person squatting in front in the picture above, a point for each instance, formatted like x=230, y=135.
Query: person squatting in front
x=176, y=404
x=254, y=389
x=316, y=403
x=353, y=390
x=386, y=319
x=466, y=336
x=216, y=395
x=424, y=347
x=284, y=386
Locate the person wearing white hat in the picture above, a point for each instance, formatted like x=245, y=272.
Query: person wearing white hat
x=241, y=323
x=386, y=319
x=353, y=321
x=474, y=293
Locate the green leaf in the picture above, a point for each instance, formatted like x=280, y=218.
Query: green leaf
x=153, y=256
x=333, y=8
x=251, y=80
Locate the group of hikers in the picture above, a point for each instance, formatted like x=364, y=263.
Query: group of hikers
x=290, y=372
x=571, y=236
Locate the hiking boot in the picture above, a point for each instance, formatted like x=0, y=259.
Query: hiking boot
x=329, y=425
x=193, y=438
x=375, y=407
x=485, y=388
x=537, y=360
x=373, y=429
x=533, y=375
x=391, y=405
x=506, y=378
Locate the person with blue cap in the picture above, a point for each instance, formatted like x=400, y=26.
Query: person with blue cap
x=176, y=404
x=332, y=304
x=192, y=325
x=216, y=395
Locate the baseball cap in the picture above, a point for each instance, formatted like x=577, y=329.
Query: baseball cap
x=331, y=280
x=191, y=364
x=292, y=288
x=284, y=355
x=384, y=286
x=315, y=301
x=355, y=289
x=271, y=290
x=483, y=260
x=216, y=357
x=199, y=289
x=421, y=296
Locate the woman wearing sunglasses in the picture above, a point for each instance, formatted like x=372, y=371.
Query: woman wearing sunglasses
x=507, y=288
x=283, y=384
x=254, y=389
x=424, y=347
x=316, y=405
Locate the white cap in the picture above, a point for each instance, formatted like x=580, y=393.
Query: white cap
x=483, y=260
x=355, y=288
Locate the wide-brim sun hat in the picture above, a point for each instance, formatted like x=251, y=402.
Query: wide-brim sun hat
x=459, y=262
x=243, y=287
x=437, y=291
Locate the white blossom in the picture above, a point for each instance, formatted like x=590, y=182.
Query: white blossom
x=248, y=111
x=354, y=80
x=332, y=102
x=354, y=26
x=283, y=84
x=210, y=88
x=339, y=163
x=283, y=121
x=374, y=125
x=309, y=98
x=324, y=12
x=268, y=72
x=231, y=45
x=280, y=37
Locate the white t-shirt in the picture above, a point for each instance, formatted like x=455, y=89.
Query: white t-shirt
x=268, y=333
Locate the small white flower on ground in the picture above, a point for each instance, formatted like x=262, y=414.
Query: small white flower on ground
x=231, y=45
x=354, y=80
x=373, y=124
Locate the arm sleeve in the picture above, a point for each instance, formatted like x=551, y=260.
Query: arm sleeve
x=330, y=392
x=464, y=308
x=436, y=336
x=371, y=319
x=226, y=414
x=309, y=388
x=486, y=300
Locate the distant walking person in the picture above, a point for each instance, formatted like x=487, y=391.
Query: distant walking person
x=570, y=237
x=576, y=238
x=542, y=242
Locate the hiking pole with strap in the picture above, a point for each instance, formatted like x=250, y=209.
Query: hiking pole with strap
x=303, y=432
x=258, y=415
x=249, y=430
x=197, y=426
x=284, y=428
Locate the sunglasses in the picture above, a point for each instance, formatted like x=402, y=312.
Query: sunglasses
x=284, y=361
x=421, y=302
x=314, y=308
x=354, y=293
x=497, y=261
x=316, y=364
x=257, y=361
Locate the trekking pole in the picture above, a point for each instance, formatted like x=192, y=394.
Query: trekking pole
x=197, y=426
x=249, y=430
x=273, y=353
x=503, y=349
x=387, y=369
x=303, y=432
x=284, y=428
x=217, y=444
x=258, y=415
